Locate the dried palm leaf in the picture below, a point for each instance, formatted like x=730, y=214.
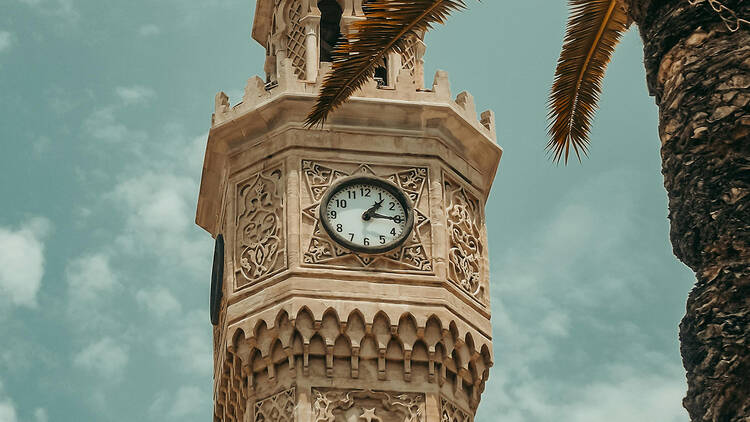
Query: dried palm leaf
x=594, y=29
x=386, y=28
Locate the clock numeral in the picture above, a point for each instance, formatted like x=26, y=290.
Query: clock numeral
x=397, y=219
x=333, y=214
x=365, y=192
x=352, y=194
x=339, y=228
x=380, y=196
x=382, y=238
x=341, y=203
x=351, y=237
x=392, y=206
x=393, y=231
x=367, y=241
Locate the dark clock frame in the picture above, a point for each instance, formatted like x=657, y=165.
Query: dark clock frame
x=217, y=280
x=377, y=181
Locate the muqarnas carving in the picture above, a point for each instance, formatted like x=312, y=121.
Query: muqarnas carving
x=368, y=406
x=260, y=237
x=277, y=408
x=413, y=256
x=466, y=248
x=231, y=390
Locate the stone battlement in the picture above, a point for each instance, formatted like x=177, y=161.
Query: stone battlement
x=406, y=88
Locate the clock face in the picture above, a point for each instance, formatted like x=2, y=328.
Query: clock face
x=367, y=214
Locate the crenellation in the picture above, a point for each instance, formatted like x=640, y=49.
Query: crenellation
x=487, y=119
x=406, y=88
x=466, y=102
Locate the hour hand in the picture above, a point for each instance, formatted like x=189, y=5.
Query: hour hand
x=369, y=213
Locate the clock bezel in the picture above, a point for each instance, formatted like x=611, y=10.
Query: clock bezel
x=389, y=186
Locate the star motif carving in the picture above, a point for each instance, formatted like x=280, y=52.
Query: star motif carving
x=369, y=415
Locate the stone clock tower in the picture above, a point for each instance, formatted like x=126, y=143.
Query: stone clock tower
x=351, y=276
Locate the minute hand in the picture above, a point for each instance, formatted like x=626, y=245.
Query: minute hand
x=387, y=217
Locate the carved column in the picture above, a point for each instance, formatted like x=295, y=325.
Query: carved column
x=312, y=52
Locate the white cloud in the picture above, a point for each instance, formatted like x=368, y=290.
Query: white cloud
x=630, y=395
x=101, y=124
x=107, y=357
x=22, y=261
x=41, y=145
x=7, y=407
x=134, y=94
x=160, y=209
x=187, y=401
x=40, y=415
x=159, y=301
x=188, y=343
x=149, y=30
x=6, y=40
x=550, y=296
x=59, y=8
x=7, y=410
x=89, y=277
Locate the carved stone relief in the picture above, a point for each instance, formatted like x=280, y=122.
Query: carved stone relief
x=449, y=412
x=260, y=250
x=367, y=406
x=413, y=256
x=465, y=248
x=231, y=391
x=277, y=408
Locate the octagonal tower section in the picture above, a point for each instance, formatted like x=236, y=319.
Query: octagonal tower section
x=308, y=330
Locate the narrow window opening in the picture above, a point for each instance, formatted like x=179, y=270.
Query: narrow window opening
x=330, y=28
x=381, y=73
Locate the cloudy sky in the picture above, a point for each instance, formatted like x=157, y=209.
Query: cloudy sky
x=104, y=110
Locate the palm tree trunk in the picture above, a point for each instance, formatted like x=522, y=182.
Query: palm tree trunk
x=699, y=73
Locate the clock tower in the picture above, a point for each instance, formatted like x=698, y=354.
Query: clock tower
x=351, y=276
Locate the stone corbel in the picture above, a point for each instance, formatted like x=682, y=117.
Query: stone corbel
x=407, y=365
x=474, y=399
x=270, y=367
x=306, y=359
x=381, y=365
x=248, y=372
x=329, y=361
x=431, y=374
x=355, y=362
x=290, y=358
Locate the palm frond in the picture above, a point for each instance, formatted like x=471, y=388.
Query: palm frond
x=594, y=29
x=385, y=29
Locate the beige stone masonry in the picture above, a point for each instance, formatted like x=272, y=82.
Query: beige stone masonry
x=308, y=330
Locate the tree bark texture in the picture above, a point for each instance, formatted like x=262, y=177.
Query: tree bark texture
x=699, y=73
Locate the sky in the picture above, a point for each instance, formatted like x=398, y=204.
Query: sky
x=104, y=277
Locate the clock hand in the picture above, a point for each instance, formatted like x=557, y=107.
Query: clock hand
x=368, y=214
x=388, y=217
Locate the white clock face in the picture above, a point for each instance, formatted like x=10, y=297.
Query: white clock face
x=367, y=215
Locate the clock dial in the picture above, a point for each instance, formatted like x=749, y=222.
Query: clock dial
x=367, y=214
